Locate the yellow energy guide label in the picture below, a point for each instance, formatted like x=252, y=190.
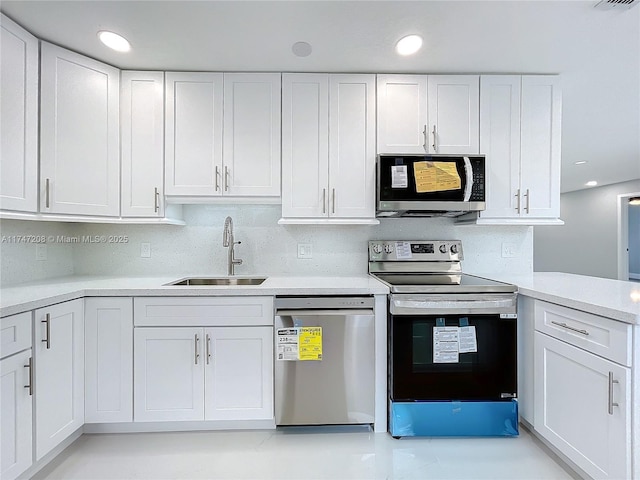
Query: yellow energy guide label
x=299, y=343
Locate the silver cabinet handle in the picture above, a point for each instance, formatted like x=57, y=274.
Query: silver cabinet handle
x=196, y=339
x=528, y=197
x=30, y=367
x=46, y=193
x=47, y=321
x=156, y=200
x=435, y=145
x=611, y=402
x=424, y=134
x=333, y=201
x=208, y=349
x=217, y=177
x=564, y=325
x=324, y=200
x=517, y=195
x=226, y=179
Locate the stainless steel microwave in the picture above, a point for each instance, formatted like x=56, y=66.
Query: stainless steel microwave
x=429, y=185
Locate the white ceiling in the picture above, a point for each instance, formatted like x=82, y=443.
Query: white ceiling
x=596, y=52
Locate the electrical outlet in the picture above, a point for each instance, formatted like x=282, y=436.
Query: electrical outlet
x=41, y=252
x=305, y=250
x=145, y=250
x=509, y=250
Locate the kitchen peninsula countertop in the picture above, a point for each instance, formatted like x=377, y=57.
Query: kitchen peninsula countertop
x=614, y=299
x=32, y=295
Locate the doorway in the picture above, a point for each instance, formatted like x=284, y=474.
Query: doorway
x=628, y=238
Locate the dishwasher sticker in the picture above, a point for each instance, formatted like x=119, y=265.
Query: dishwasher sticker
x=299, y=343
x=446, y=344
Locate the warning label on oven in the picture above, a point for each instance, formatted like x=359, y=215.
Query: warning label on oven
x=450, y=342
x=299, y=343
x=436, y=176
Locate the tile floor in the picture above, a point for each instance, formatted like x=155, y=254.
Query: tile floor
x=297, y=454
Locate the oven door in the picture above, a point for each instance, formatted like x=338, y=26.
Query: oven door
x=424, y=363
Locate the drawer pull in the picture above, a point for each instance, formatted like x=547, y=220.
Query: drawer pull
x=611, y=402
x=564, y=325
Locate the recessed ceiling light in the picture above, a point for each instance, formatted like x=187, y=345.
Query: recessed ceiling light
x=114, y=41
x=409, y=45
x=301, y=49
x=580, y=162
x=591, y=183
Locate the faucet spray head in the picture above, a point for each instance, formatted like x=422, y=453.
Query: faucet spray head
x=227, y=234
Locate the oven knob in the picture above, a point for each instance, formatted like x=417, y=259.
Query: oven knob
x=443, y=248
x=454, y=248
x=388, y=248
x=377, y=248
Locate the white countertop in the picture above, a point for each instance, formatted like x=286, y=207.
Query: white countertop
x=32, y=295
x=614, y=299
x=610, y=298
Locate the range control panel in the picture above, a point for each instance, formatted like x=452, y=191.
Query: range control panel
x=415, y=250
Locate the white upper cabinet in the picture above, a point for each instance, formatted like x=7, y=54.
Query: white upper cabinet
x=19, y=118
x=435, y=114
x=251, y=146
x=200, y=161
x=142, y=143
x=79, y=138
x=520, y=135
x=193, y=129
x=328, y=148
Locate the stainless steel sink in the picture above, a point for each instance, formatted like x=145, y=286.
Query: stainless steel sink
x=213, y=281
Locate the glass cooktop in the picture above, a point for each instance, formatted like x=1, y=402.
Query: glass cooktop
x=442, y=283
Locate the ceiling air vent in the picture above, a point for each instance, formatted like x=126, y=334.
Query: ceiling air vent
x=616, y=4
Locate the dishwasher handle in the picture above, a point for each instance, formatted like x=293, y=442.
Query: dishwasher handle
x=325, y=312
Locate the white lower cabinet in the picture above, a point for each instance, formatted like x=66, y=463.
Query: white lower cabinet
x=191, y=373
x=108, y=372
x=59, y=373
x=582, y=400
x=16, y=391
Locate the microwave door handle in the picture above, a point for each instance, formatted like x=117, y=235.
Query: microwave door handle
x=468, y=170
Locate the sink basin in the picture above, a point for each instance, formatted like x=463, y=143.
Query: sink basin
x=213, y=281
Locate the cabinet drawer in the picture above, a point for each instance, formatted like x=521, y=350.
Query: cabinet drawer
x=15, y=333
x=202, y=311
x=605, y=337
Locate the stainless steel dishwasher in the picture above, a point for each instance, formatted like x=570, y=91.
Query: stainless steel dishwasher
x=336, y=385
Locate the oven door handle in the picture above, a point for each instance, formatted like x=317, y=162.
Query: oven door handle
x=468, y=170
x=416, y=307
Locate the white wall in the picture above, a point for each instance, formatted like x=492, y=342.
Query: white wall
x=18, y=257
x=587, y=243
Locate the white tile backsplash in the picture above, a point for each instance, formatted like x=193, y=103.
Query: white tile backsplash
x=271, y=249
x=267, y=248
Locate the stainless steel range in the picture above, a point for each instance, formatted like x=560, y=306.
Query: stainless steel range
x=452, y=342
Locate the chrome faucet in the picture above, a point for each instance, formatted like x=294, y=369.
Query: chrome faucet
x=227, y=241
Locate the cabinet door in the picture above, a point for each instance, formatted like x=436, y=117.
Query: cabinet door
x=453, y=110
x=79, y=138
x=193, y=129
x=500, y=142
x=142, y=143
x=108, y=360
x=16, y=425
x=575, y=411
x=305, y=152
x=540, y=146
x=168, y=371
x=402, y=114
x=239, y=373
x=59, y=373
x=352, y=155
x=19, y=118
x=251, y=150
